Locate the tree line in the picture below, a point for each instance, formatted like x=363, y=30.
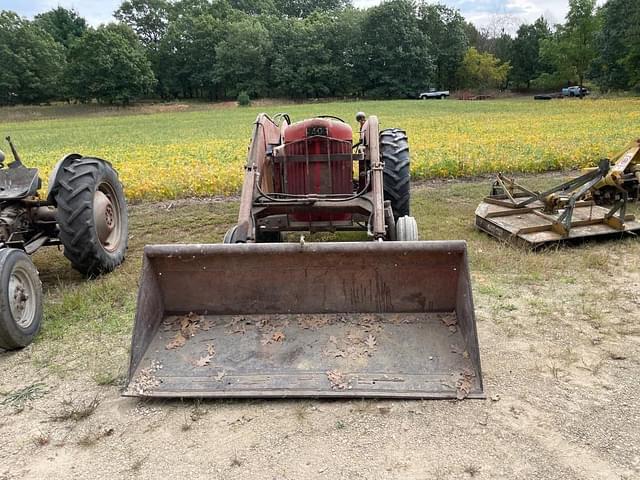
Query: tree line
x=217, y=49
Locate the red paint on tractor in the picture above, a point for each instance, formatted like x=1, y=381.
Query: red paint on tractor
x=319, y=139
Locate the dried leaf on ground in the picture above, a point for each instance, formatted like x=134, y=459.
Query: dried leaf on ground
x=207, y=324
x=189, y=324
x=203, y=361
x=371, y=341
x=449, y=320
x=176, y=342
x=275, y=337
x=337, y=380
x=236, y=326
x=464, y=383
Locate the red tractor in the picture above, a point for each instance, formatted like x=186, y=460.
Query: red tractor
x=310, y=176
x=274, y=312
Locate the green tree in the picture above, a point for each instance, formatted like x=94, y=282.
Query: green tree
x=304, y=8
x=395, y=59
x=254, y=7
x=32, y=61
x=148, y=18
x=618, y=44
x=482, y=71
x=446, y=30
x=525, y=61
x=301, y=65
x=62, y=24
x=188, y=56
x=572, y=48
x=109, y=64
x=241, y=55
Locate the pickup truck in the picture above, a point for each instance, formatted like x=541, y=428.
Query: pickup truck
x=433, y=93
x=575, y=91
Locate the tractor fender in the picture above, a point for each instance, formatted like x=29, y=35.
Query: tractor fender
x=54, y=177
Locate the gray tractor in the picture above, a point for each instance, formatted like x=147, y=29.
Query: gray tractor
x=84, y=211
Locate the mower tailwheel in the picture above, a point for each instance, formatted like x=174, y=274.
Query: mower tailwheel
x=20, y=299
x=406, y=229
x=92, y=216
x=394, y=152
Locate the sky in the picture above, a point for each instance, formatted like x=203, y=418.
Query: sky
x=483, y=13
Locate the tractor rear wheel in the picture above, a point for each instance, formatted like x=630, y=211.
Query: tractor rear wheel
x=20, y=299
x=92, y=216
x=394, y=152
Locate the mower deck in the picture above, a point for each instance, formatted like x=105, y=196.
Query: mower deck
x=531, y=226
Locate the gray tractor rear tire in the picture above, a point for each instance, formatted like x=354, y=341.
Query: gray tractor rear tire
x=20, y=299
x=92, y=216
x=407, y=229
x=394, y=152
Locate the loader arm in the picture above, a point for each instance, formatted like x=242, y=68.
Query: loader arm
x=256, y=170
x=371, y=134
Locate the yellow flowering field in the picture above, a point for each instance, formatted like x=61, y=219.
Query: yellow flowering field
x=199, y=150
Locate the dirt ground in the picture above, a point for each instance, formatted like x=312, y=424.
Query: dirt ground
x=559, y=334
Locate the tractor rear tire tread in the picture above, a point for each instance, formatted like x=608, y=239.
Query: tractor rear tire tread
x=394, y=152
x=78, y=182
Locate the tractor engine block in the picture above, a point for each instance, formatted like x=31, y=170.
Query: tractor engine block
x=13, y=218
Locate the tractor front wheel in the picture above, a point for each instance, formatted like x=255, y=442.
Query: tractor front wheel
x=394, y=152
x=92, y=216
x=230, y=235
x=20, y=299
x=407, y=229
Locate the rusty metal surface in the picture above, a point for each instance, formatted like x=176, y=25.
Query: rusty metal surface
x=527, y=226
x=413, y=298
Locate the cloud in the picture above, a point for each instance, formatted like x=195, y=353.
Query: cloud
x=481, y=12
x=94, y=12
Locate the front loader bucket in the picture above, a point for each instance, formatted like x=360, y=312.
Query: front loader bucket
x=379, y=319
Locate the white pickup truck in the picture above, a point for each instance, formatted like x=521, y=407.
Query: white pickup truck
x=433, y=93
x=575, y=91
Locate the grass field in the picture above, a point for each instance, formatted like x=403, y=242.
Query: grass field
x=182, y=150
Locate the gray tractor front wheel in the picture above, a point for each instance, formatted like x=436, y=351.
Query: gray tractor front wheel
x=20, y=299
x=407, y=229
x=92, y=216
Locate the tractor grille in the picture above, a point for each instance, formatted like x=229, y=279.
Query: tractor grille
x=316, y=165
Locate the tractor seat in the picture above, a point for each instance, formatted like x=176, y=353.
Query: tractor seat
x=17, y=183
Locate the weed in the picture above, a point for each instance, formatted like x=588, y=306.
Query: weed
x=91, y=436
x=472, y=470
x=107, y=379
x=76, y=411
x=236, y=461
x=42, y=439
x=340, y=425
x=20, y=397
